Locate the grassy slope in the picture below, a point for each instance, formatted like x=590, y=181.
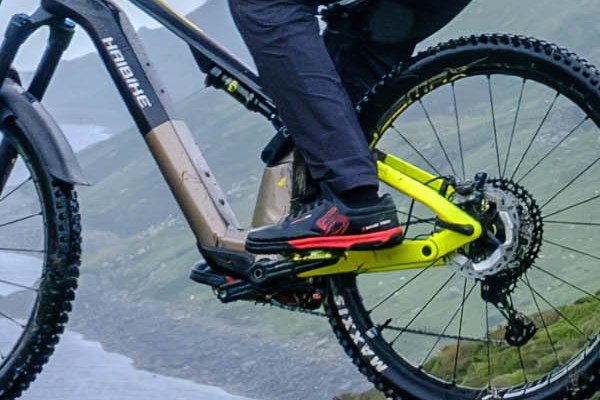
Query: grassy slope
x=472, y=365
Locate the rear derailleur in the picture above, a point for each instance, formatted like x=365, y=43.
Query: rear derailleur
x=520, y=328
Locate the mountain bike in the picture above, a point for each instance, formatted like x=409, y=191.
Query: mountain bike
x=488, y=144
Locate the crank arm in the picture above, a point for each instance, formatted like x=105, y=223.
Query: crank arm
x=265, y=272
x=238, y=290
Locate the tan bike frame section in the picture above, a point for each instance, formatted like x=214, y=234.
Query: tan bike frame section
x=202, y=201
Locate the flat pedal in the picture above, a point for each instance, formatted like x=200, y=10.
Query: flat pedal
x=272, y=281
x=227, y=289
x=202, y=273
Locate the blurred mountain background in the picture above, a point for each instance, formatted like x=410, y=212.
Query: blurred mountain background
x=135, y=295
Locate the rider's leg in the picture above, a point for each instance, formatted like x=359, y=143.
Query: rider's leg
x=298, y=73
x=382, y=35
x=359, y=63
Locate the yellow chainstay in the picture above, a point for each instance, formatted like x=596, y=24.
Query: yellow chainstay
x=424, y=188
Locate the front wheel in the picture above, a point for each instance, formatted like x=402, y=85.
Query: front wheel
x=39, y=256
x=528, y=114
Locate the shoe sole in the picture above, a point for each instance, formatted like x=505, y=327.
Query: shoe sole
x=370, y=241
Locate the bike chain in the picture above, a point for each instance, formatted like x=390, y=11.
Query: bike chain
x=302, y=310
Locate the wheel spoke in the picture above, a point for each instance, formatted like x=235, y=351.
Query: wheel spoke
x=458, y=132
x=514, y=127
x=543, y=321
x=556, y=146
x=572, y=223
x=555, y=309
x=18, y=285
x=389, y=296
x=443, y=335
x=489, y=79
x=13, y=190
x=572, y=249
x=416, y=150
x=571, y=206
x=422, y=309
x=437, y=136
x=489, y=350
x=15, y=250
x=462, y=312
x=565, y=282
x=11, y=319
x=522, y=364
x=575, y=178
x=539, y=128
x=20, y=219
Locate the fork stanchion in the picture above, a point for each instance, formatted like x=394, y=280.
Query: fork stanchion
x=61, y=34
x=18, y=30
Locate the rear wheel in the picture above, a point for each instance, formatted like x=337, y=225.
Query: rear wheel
x=39, y=259
x=528, y=114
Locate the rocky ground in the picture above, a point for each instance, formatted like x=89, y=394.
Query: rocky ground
x=159, y=337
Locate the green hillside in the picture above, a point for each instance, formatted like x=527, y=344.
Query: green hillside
x=472, y=364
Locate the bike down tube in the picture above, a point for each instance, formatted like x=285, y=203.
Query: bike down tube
x=432, y=251
x=181, y=162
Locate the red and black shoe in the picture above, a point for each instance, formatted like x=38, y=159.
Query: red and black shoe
x=329, y=224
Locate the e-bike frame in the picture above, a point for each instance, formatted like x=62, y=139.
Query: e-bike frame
x=185, y=169
x=201, y=200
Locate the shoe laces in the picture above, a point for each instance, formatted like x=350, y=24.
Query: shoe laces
x=303, y=208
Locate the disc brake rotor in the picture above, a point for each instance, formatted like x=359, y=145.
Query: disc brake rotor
x=512, y=235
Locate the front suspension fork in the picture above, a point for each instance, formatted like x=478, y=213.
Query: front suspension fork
x=20, y=28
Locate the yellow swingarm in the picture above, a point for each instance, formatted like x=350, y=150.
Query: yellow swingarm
x=424, y=188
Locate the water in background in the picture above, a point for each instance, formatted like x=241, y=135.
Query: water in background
x=81, y=369
x=82, y=136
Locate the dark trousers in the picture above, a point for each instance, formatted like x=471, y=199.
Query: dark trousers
x=314, y=79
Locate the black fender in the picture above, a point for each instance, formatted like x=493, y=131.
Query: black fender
x=44, y=134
